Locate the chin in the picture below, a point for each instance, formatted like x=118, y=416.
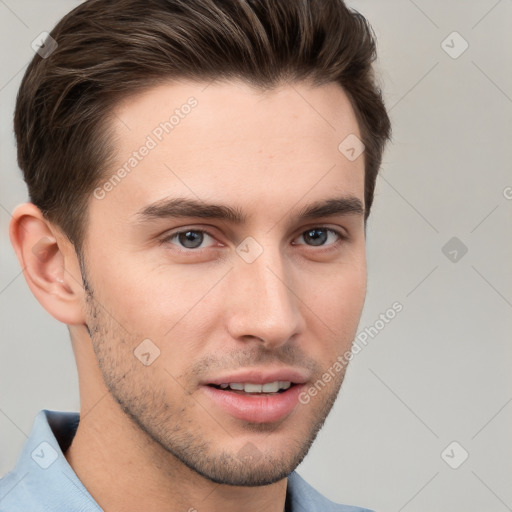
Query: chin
x=254, y=474
x=262, y=462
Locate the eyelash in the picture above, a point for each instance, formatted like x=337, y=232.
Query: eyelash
x=167, y=239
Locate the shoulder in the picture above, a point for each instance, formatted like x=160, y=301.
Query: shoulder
x=42, y=480
x=14, y=494
x=302, y=497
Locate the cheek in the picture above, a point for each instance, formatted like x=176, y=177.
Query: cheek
x=124, y=291
x=348, y=297
x=337, y=306
x=160, y=303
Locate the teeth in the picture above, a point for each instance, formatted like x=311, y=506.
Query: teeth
x=252, y=388
x=248, y=387
x=270, y=387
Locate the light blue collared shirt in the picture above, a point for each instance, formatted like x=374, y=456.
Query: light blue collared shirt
x=43, y=481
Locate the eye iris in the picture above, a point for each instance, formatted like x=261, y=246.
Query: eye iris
x=318, y=239
x=191, y=239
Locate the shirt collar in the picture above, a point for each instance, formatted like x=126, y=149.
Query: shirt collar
x=42, y=474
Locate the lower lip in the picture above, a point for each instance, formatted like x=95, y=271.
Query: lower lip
x=256, y=408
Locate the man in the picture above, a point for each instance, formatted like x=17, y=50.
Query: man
x=200, y=175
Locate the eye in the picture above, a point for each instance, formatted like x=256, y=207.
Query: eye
x=318, y=236
x=188, y=239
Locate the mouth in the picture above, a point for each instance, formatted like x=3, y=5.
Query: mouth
x=269, y=388
x=256, y=396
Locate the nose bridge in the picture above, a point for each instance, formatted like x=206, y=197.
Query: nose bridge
x=263, y=305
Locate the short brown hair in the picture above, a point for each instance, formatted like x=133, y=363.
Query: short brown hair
x=108, y=49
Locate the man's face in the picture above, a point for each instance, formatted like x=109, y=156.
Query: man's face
x=183, y=305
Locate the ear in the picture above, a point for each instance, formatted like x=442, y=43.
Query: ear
x=49, y=264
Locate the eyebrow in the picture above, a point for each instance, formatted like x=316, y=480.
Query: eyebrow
x=181, y=207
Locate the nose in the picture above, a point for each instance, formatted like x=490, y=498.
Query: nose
x=262, y=301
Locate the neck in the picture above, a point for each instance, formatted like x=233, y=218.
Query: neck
x=124, y=469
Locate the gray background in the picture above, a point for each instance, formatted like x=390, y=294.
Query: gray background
x=440, y=370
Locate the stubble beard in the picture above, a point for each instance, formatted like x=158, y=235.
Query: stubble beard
x=171, y=428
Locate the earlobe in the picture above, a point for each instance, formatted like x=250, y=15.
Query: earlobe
x=49, y=264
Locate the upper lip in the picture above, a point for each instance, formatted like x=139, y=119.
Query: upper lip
x=260, y=376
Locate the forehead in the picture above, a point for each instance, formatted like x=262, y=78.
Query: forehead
x=230, y=142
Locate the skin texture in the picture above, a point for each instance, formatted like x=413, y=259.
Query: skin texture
x=150, y=437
